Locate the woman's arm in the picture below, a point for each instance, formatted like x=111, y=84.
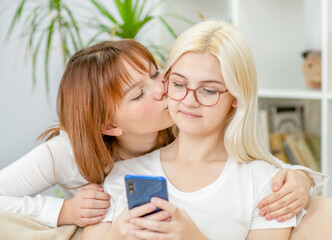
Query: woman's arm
x=291, y=191
x=271, y=234
x=35, y=172
x=97, y=231
x=28, y=176
x=319, y=179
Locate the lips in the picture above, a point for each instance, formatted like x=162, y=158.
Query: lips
x=190, y=114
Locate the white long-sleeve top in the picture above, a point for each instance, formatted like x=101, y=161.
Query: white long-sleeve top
x=22, y=182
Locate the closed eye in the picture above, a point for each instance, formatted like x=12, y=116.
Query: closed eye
x=140, y=95
x=177, y=84
x=155, y=75
x=208, y=91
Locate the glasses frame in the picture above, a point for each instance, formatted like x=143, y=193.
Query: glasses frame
x=194, y=91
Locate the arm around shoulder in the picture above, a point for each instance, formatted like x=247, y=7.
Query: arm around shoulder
x=319, y=179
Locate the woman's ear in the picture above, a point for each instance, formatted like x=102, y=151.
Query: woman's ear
x=111, y=130
x=234, y=104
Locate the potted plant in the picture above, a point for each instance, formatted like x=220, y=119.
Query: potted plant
x=45, y=21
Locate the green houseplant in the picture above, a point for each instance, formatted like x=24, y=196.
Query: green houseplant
x=55, y=18
x=133, y=16
x=40, y=22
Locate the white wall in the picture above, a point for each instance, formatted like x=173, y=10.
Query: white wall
x=23, y=114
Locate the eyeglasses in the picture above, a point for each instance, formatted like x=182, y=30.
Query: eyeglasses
x=205, y=95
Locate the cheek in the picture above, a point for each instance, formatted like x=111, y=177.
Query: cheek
x=172, y=107
x=145, y=111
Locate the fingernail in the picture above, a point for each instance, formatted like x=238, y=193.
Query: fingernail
x=269, y=216
x=263, y=212
x=280, y=219
x=261, y=205
x=275, y=186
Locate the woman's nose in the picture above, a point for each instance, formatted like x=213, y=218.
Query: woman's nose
x=159, y=92
x=190, y=100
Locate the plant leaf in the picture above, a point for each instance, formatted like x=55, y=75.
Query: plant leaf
x=169, y=28
x=187, y=20
x=121, y=9
x=95, y=37
x=16, y=17
x=77, y=31
x=48, y=45
x=73, y=40
x=103, y=10
x=141, y=9
x=34, y=60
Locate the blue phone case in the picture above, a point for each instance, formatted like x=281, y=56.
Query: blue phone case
x=140, y=189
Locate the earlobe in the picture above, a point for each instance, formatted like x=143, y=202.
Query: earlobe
x=234, y=104
x=111, y=130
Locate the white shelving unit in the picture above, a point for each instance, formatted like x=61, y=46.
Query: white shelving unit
x=278, y=32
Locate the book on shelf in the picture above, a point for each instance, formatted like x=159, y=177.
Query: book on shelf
x=289, y=154
x=277, y=148
x=301, y=150
x=283, y=129
x=314, y=143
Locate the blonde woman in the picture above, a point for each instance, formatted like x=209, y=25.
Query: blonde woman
x=216, y=169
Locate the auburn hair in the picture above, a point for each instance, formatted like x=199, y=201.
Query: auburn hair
x=91, y=88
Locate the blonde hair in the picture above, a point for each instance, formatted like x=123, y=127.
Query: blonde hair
x=242, y=136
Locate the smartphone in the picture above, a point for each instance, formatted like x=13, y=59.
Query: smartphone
x=140, y=189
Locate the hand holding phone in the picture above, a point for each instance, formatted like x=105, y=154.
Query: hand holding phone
x=140, y=189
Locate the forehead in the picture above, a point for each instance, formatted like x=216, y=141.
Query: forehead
x=198, y=66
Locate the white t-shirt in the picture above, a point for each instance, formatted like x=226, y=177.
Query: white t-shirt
x=22, y=181
x=225, y=209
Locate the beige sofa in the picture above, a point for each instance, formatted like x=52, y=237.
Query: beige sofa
x=316, y=225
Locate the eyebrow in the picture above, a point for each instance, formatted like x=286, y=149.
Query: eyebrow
x=204, y=81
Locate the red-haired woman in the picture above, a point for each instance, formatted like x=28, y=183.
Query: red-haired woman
x=113, y=76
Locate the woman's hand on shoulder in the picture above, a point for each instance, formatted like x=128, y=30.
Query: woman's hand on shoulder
x=179, y=225
x=88, y=206
x=290, y=195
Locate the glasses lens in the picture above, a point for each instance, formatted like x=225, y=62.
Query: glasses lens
x=176, y=90
x=207, y=95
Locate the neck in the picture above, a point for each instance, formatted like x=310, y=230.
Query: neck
x=129, y=146
x=193, y=148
